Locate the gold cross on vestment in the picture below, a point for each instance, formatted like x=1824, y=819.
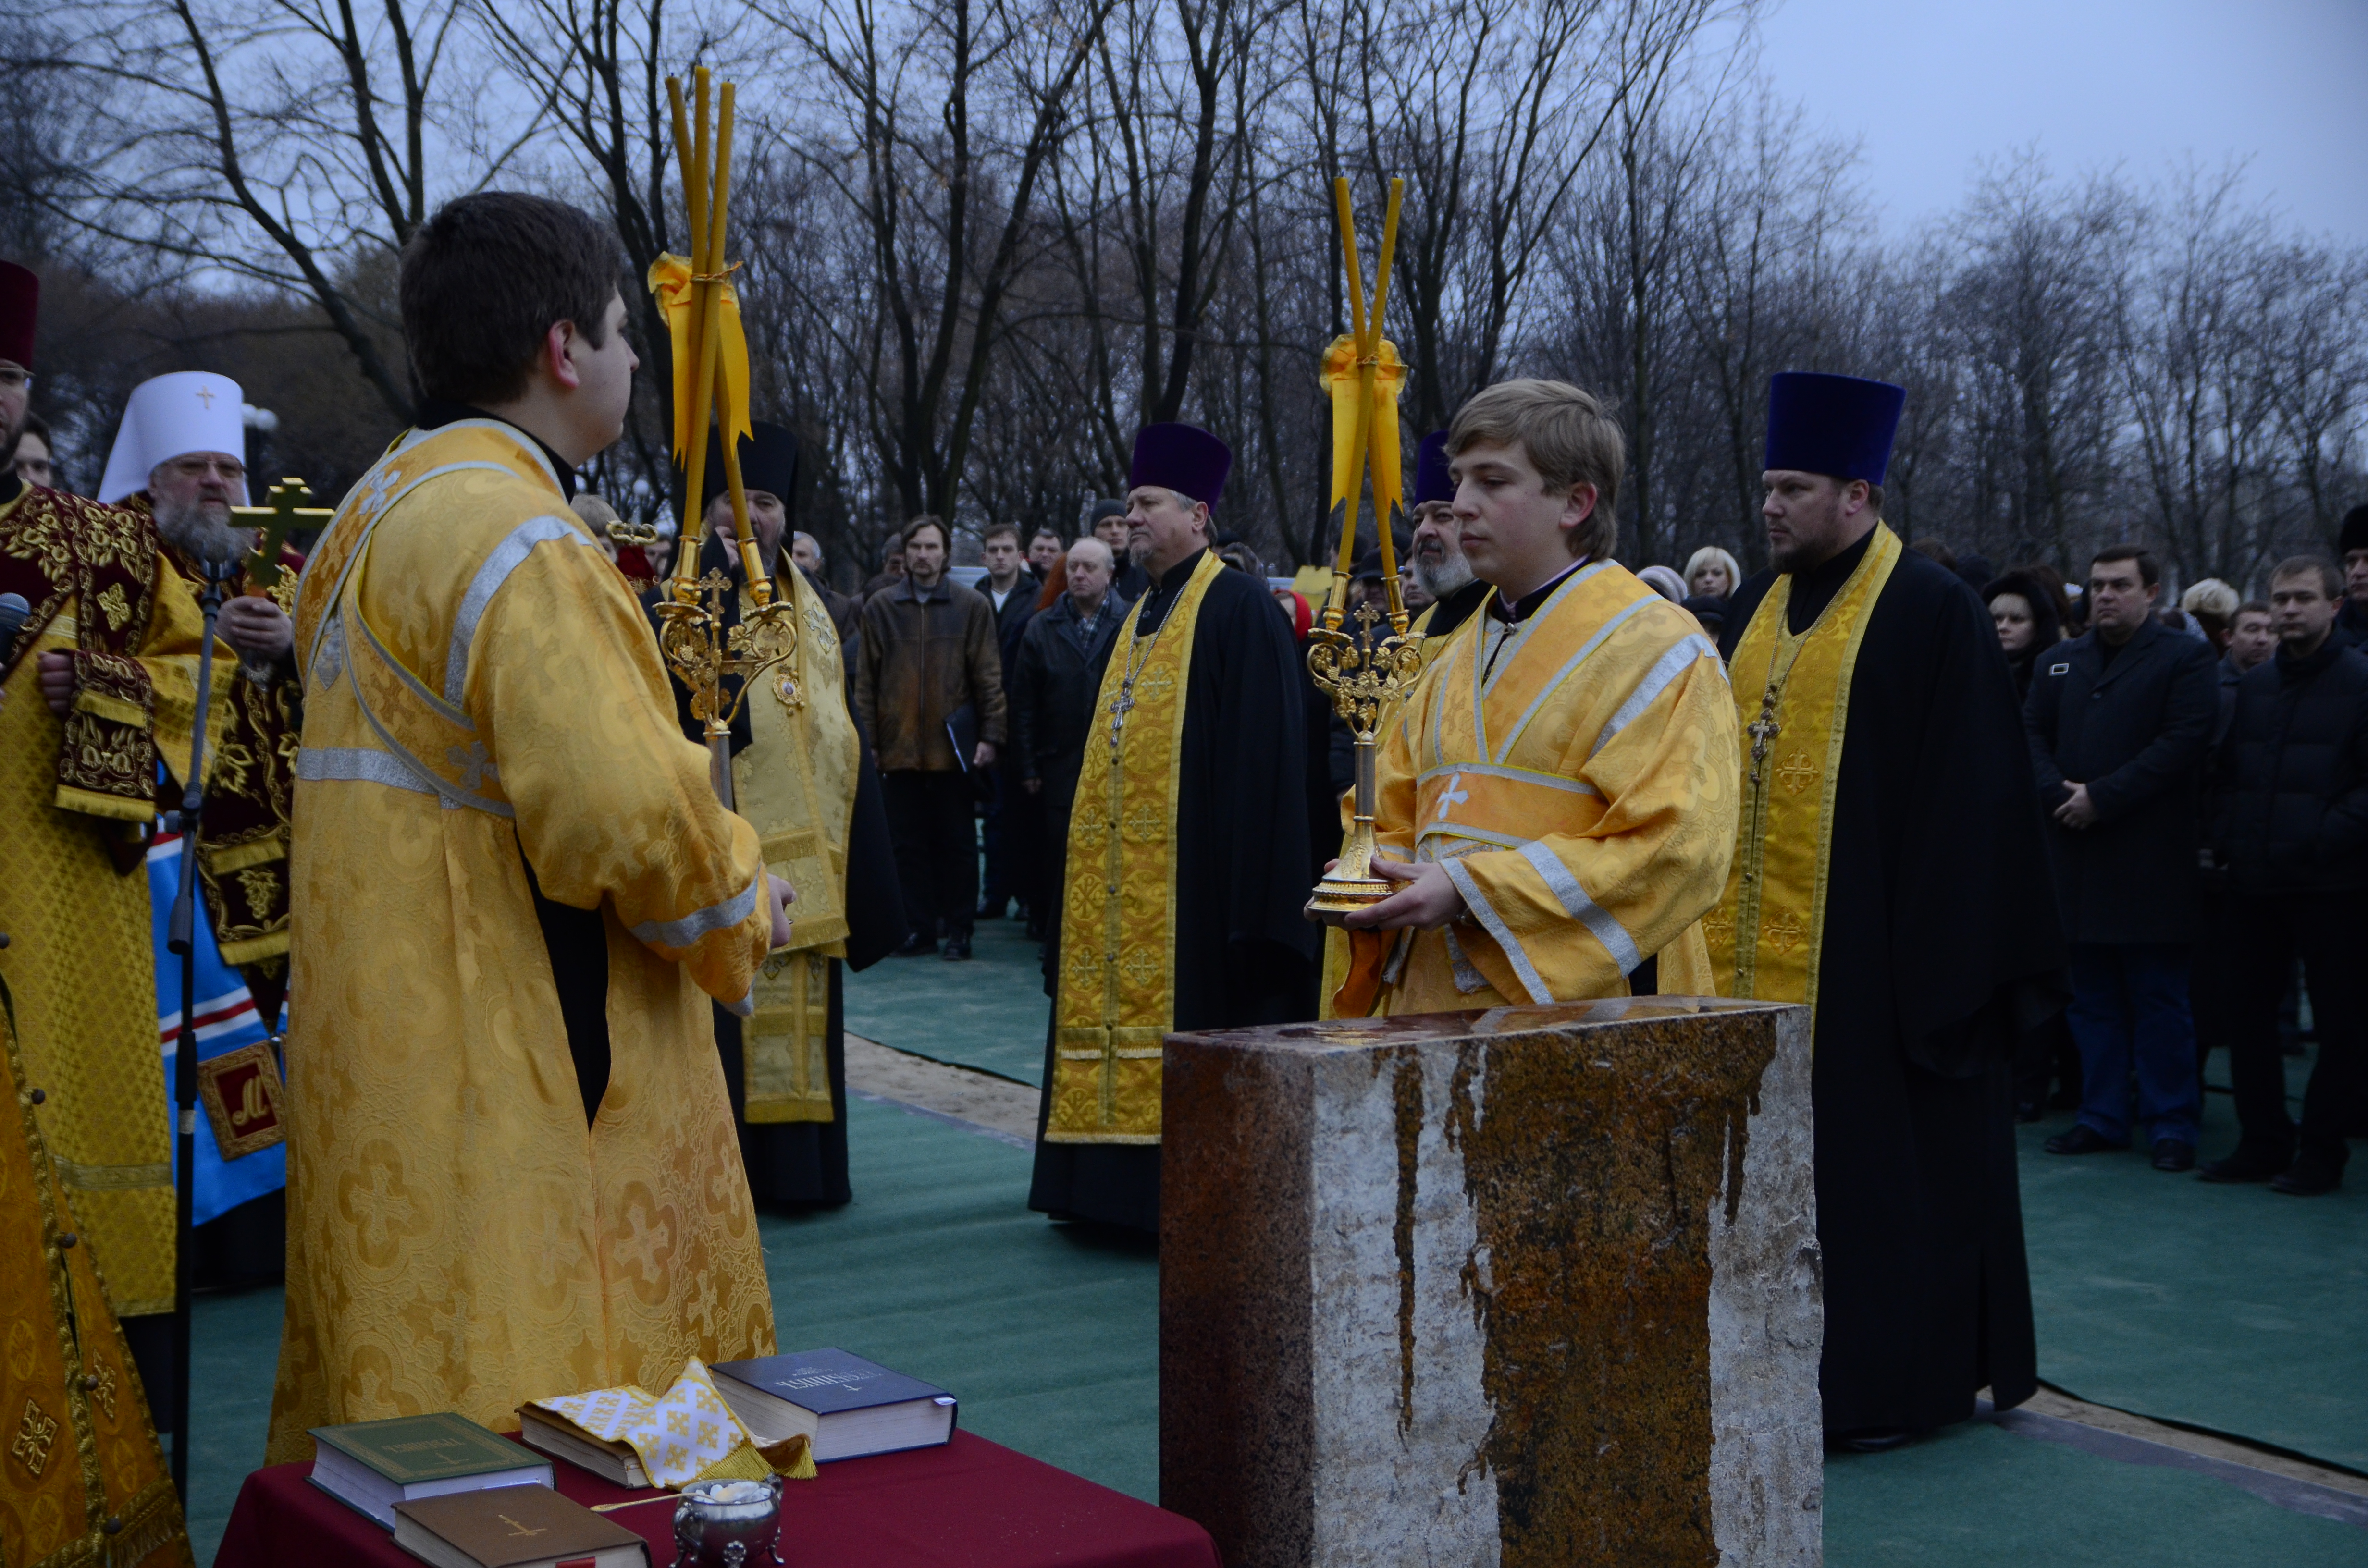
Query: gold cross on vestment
x=286, y=511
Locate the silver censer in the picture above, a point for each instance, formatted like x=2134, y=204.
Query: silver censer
x=728, y=1523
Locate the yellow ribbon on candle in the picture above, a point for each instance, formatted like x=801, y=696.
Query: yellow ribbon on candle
x=672, y=280
x=1344, y=386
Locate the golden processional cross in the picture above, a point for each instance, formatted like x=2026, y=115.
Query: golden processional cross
x=285, y=511
x=711, y=380
x=1363, y=674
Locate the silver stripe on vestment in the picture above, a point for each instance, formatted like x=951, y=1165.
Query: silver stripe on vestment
x=721, y=916
x=1682, y=657
x=1519, y=775
x=355, y=765
x=506, y=558
x=1581, y=908
x=1570, y=668
x=453, y=795
x=1493, y=924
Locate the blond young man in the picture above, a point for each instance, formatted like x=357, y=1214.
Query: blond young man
x=1553, y=798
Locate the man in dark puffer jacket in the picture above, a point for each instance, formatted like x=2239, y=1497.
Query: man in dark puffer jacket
x=2289, y=830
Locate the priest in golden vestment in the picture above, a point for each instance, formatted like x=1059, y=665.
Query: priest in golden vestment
x=1555, y=794
x=802, y=776
x=101, y=687
x=511, y=1166
x=1887, y=842
x=1186, y=861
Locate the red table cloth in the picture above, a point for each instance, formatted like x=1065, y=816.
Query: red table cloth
x=971, y=1503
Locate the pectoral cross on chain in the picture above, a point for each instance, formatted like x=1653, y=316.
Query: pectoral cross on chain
x=1763, y=731
x=1121, y=706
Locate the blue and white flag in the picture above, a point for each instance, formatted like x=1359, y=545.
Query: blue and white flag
x=226, y=1019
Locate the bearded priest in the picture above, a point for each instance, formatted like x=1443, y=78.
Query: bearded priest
x=1185, y=874
x=511, y=1166
x=176, y=459
x=1886, y=847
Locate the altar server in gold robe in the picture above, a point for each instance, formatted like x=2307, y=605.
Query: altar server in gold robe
x=802, y=776
x=1186, y=861
x=511, y=1165
x=1556, y=796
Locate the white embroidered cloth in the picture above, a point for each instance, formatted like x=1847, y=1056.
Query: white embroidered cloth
x=679, y=1435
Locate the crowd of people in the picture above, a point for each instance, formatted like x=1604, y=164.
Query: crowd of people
x=1839, y=781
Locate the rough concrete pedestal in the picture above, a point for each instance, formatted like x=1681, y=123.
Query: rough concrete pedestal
x=1535, y=1286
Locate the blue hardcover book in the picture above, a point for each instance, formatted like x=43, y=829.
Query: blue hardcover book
x=846, y=1406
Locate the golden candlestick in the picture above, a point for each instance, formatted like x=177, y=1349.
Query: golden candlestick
x=713, y=382
x=1363, y=674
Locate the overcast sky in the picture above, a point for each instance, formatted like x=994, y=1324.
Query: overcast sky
x=1933, y=86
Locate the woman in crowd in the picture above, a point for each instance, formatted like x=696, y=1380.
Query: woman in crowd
x=1711, y=573
x=2028, y=623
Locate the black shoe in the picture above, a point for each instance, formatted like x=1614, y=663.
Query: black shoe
x=2082, y=1140
x=2170, y=1155
x=2245, y=1165
x=2029, y=1111
x=916, y=947
x=957, y=950
x=2307, y=1178
x=1869, y=1440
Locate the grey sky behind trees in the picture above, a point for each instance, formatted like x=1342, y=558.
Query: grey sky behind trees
x=1934, y=89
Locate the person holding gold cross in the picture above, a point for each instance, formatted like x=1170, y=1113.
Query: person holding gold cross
x=512, y=1173
x=175, y=459
x=1184, y=874
x=1887, y=844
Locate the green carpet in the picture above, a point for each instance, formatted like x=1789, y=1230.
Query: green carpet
x=988, y=1013
x=2229, y=1307
x=1974, y=1495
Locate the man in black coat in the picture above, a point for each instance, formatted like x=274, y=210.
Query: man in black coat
x=2120, y=720
x=2289, y=832
x=1055, y=680
x=1010, y=821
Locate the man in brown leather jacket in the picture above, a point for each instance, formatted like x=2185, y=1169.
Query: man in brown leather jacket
x=926, y=651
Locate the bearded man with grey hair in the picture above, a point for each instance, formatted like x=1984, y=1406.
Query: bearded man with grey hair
x=175, y=461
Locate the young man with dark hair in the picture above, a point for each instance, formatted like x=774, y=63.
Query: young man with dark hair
x=926, y=649
x=1882, y=874
x=1009, y=827
x=513, y=884
x=1178, y=846
x=2119, y=721
x=2289, y=839
x=1045, y=550
x=1539, y=795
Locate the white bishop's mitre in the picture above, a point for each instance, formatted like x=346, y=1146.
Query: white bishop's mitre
x=171, y=416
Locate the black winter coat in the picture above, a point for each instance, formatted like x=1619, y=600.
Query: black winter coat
x=2289, y=802
x=2135, y=730
x=1054, y=686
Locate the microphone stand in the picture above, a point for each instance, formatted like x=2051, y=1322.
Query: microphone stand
x=181, y=939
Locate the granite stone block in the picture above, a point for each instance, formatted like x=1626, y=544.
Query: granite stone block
x=1533, y=1285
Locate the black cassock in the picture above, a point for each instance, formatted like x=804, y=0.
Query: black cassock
x=1940, y=939
x=1245, y=953
x=805, y=1161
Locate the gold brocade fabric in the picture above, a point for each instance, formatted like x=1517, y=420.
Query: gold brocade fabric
x=80, y=1447
x=1792, y=695
x=482, y=693
x=1116, y=996
x=80, y=963
x=795, y=783
x=1576, y=790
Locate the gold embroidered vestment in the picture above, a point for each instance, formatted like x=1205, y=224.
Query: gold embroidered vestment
x=1117, y=991
x=1791, y=697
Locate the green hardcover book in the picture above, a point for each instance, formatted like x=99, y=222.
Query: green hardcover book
x=372, y=1465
